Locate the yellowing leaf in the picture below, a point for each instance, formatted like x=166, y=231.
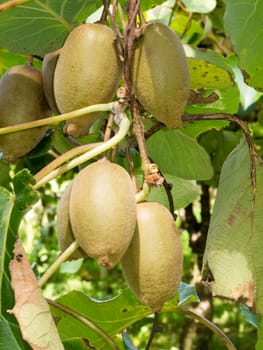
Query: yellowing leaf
x=234, y=244
x=31, y=309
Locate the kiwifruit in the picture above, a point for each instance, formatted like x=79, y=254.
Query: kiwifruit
x=161, y=74
x=103, y=211
x=64, y=230
x=48, y=70
x=152, y=265
x=22, y=100
x=87, y=73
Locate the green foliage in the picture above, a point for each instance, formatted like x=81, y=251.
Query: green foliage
x=51, y=22
x=244, y=32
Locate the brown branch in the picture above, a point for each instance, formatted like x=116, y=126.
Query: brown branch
x=156, y=328
x=243, y=125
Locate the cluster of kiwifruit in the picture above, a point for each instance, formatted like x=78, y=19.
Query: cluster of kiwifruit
x=86, y=71
x=99, y=211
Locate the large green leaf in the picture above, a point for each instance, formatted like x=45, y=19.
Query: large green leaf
x=183, y=192
x=178, y=154
x=233, y=252
x=243, y=24
x=38, y=27
x=112, y=316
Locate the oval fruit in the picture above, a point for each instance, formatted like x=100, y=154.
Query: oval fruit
x=152, y=265
x=64, y=229
x=161, y=74
x=22, y=100
x=87, y=73
x=103, y=211
x=48, y=71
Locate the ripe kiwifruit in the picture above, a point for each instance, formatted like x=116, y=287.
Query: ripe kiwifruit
x=87, y=73
x=103, y=211
x=64, y=230
x=22, y=100
x=160, y=74
x=48, y=70
x=152, y=265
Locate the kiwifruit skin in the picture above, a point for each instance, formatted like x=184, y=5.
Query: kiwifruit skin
x=22, y=100
x=64, y=231
x=152, y=265
x=48, y=71
x=161, y=74
x=87, y=73
x=103, y=211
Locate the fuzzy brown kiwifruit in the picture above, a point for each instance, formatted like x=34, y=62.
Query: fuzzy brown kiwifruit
x=160, y=74
x=22, y=100
x=48, y=70
x=64, y=229
x=103, y=211
x=152, y=265
x=87, y=73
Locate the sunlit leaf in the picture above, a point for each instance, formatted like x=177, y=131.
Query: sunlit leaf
x=243, y=24
x=233, y=251
x=31, y=309
x=200, y=5
x=38, y=27
x=180, y=155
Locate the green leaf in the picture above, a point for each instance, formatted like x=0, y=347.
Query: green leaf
x=204, y=74
x=223, y=101
x=179, y=155
x=234, y=245
x=249, y=316
x=183, y=192
x=39, y=27
x=128, y=342
x=259, y=345
x=187, y=294
x=112, y=316
x=194, y=129
x=25, y=195
x=194, y=32
x=200, y=5
x=243, y=24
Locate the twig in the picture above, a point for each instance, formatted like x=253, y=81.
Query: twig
x=61, y=258
x=64, y=158
x=86, y=321
x=58, y=118
x=155, y=329
x=123, y=129
x=245, y=129
x=204, y=321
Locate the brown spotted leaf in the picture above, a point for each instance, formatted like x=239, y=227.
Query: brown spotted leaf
x=233, y=260
x=31, y=309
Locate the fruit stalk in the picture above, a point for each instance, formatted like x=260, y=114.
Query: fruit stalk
x=124, y=125
x=62, y=258
x=104, y=107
